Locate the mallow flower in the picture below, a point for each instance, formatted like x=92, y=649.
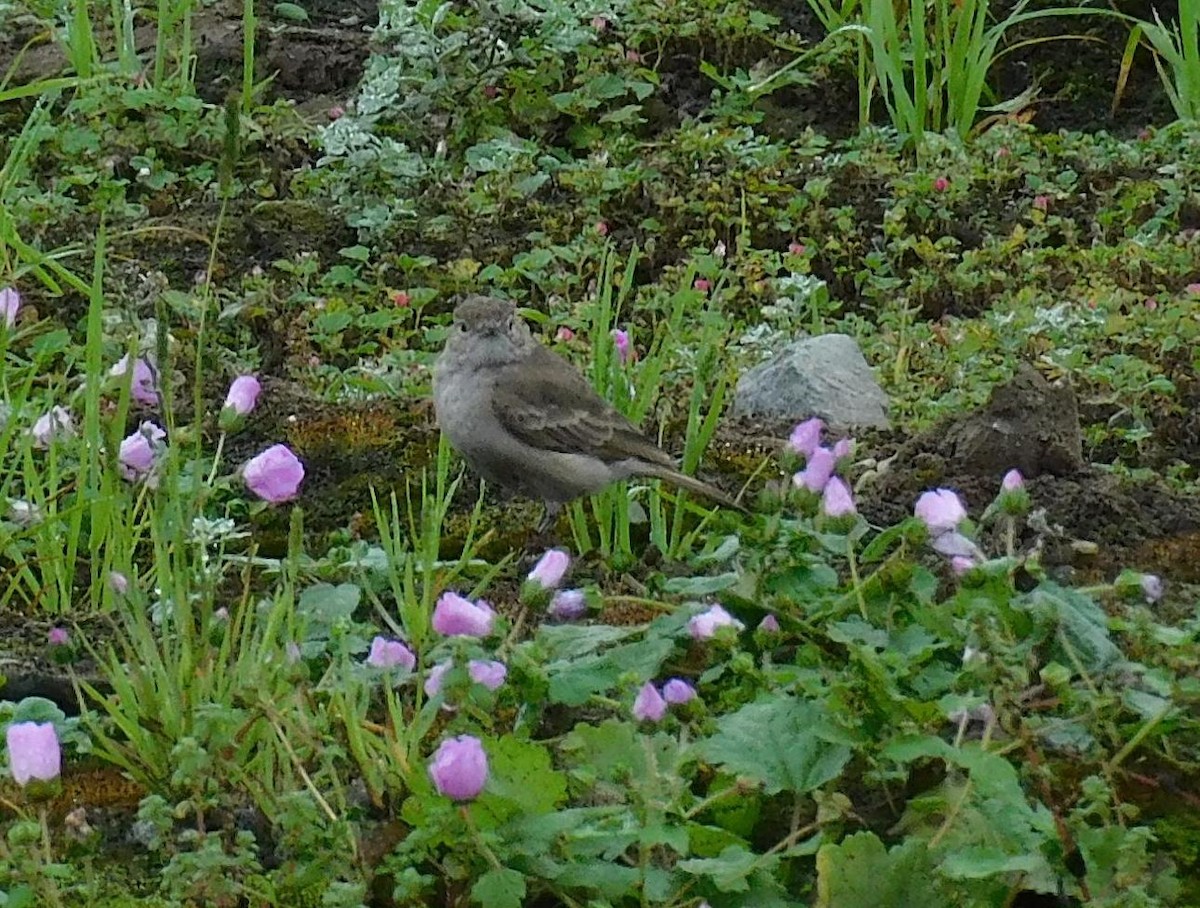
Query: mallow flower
x=706, y=624
x=649, y=705
x=456, y=616
x=33, y=752
x=459, y=768
x=274, y=475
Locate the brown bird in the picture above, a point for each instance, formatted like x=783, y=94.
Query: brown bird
x=524, y=418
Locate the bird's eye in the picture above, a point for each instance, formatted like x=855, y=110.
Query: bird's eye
x=512, y=323
x=462, y=326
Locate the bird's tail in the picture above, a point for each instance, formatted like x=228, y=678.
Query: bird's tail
x=691, y=483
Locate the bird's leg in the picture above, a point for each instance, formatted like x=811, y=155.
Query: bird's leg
x=553, y=508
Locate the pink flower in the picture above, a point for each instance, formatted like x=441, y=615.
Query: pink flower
x=387, y=653
x=1150, y=303
x=490, y=674
x=243, y=394
x=677, y=691
x=842, y=448
x=459, y=768
x=602, y=228
x=836, y=500
x=960, y=564
x=567, y=605
x=940, y=510
x=817, y=471
x=649, y=706
x=10, y=305
x=1003, y=152
x=769, y=625
x=550, y=569
x=336, y=112
x=143, y=387
x=118, y=582
x=1152, y=587
x=490, y=91
x=633, y=56
x=1193, y=289
x=599, y=23
x=1013, y=481
x=564, y=335
x=401, y=300
x=941, y=184
x=433, y=681
x=702, y=284
x=33, y=752
x=454, y=616
x=706, y=624
x=58, y=636
x=274, y=475
x=621, y=341
x=795, y=248
x=137, y=453
x=1041, y=202
x=806, y=437
x=55, y=424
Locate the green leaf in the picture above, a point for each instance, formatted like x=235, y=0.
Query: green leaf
x=499, y=888
x=521, y=780
x=1083, y=624
x=326, y=602
x=730, y=870
x=700, y=586
x=860, y=872
x=573, y=682
x=786, y=743
x=291, y=11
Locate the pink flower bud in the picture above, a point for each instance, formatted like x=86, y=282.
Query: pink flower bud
x=602, y=228
x=454, y=616
x=677, y=691
x=118, y=582
x=490, y=674
x=795, y=248
x=649, y=706
x=599, y=23
x=459, y=768
x=143, y=387
x=702, y=284
x=806, y=437
x=243, y=394
x=1041, y=202
x=568, y=605
x=490, y=91
x=550, y=569
x=401, y=300
x=817, y=471
x=940, y=510
x=836, y=500
x=564, y=335
x=769, y=625
x=49, y=426
x=387, y=653
x=1012, y=481
x=137, y=454
x=33, y=752
x=58, y=636
x=433, y=681
x=633, y=56
x=274, y=475
x=10, y=305
x=941, y=184
x=336, y=112
x=706, y=624
x=621, y=340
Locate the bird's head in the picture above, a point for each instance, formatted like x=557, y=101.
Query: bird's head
x=489, y=331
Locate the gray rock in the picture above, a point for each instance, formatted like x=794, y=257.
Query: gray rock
x=825, y=376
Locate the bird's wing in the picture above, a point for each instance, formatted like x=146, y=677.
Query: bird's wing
x=549, y=405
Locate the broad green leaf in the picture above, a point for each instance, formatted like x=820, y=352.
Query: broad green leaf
x=860, y=872
x=499, y=888
x=786, y=743
x=728, y=871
